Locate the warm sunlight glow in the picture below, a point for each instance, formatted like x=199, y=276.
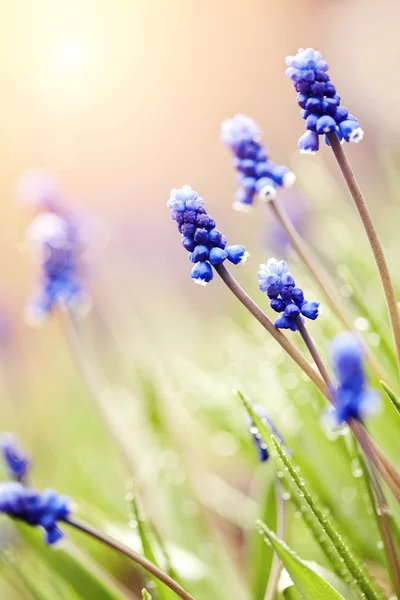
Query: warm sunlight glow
x=71, y=55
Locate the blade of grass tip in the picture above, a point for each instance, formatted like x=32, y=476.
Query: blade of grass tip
x=131, y=554
x=394, y=398
x=307, y=514
x=366, y=587
x=146, y=541
x=311, y=585
x=145, y=595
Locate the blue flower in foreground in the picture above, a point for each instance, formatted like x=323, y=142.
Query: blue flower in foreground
x=261, y=446
x=55, y=239
x=319, y=102
x=257, y=174
x=17, y=460
x=200, y=237
x=353, y=399
x=274, y=279
x=35, y=508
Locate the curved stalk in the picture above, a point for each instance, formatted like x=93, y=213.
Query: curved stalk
x=317, y=273
x=132, y=555
x=262, y=318
x=376, y=246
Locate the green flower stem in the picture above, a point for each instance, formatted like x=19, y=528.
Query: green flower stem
x=380, y=260
x=262, y=318
x=317, y=273
x=137, y=558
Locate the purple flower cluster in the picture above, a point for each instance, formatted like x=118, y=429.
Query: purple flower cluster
x=257, y=173
x=200, y=237
x=319, y=102
x=353, y=398
x=35, y=508
x=275, y=279
x=55, y=238
x=18, y=462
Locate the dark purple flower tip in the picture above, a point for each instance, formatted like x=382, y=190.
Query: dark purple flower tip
x=18, y=461
x=202, y=273
x=325, y=124
x=310, y=310
x=284, y=322
x=217, y=256
x=277, y=305
x=201, y=236
x=188, y=243
x=237, y=254
x=314, y=106
x=309, y=143
x=200, y=253
x=351, y=131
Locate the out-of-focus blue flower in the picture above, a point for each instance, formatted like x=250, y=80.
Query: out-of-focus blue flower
x=55, y=240
x=275, y=280
x=200, y=237
x=17, y=460
x=261, y=446
x=353, y=398
x=319, y=102
x=35, y=508
x=257, y=173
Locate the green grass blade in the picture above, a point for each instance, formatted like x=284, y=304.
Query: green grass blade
x=73, y=565
x=261, y=554
x=145, y=595
x=148, y=545
x=394, y=398
x=310, y=585
x=332, y=542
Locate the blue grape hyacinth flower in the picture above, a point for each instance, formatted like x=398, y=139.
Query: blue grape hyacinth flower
x=200, y=237
x=43, y=509
x=55, y=239
x=354, y=399
x=275, y=280
x=319, y=101
x=18, y=462
x=257, y=173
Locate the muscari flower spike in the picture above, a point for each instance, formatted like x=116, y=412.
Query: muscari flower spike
x=55, y=238
x=43, y=509
x=353, y=398
x=261, y=446
x=257, y=173
x=200, y=237
x=319, y=102
x=18, y=461
x=274, y=279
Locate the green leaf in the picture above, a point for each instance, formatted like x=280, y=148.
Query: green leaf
x=394, y=398
x=145, y=595
x=310, y=585
x=335, y=546
x=148, y=545
x=261, y=554
x=74, y=567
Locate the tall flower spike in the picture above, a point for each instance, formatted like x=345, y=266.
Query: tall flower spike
x=18, y=462
x=43, y=509
x=257, y=173
x=353, y=399
x=55, y=239
x=200, y=237
x=276, y=281
x=319, y=102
